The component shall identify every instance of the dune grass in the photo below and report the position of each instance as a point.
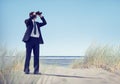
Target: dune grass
(11, 70)
(8, 66)
(100, 56)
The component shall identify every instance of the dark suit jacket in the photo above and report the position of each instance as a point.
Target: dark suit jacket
(29, 25)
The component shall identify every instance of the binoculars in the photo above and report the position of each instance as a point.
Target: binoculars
(38, 13)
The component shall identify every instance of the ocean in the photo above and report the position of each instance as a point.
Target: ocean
(49, 60)
(59, 60)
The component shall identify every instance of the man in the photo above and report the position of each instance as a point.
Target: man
(33, 38)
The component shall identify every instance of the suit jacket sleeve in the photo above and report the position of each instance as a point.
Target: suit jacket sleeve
(43, 22)
(27, 22)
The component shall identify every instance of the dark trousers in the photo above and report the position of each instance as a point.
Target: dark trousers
(32, 44)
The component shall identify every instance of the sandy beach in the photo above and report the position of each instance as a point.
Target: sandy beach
(62, 75)
(78, 76)
(101, 65)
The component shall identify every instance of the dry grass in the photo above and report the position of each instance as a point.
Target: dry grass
(9, 66)
(11, 71)
(101, 56)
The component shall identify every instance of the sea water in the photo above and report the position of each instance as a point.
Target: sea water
(49, 60)
(59, 60)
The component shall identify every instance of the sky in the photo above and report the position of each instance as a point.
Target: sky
(72, 25)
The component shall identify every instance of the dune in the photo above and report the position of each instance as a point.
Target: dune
(101, 65)
(62, 75)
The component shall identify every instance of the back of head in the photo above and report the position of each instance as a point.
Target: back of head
(31, 14)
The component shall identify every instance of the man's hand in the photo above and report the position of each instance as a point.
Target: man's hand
(40, 16)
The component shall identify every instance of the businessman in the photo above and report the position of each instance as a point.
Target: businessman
(32, 39)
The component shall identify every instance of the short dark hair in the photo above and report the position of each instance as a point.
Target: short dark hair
(31, 13)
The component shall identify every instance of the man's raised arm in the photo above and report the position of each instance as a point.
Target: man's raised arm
(43, 21)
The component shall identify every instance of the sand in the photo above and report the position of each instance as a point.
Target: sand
(79, 76)
(62, 75)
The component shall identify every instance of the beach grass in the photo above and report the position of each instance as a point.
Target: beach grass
(8, 67)
(11, 70)
(100, 56)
